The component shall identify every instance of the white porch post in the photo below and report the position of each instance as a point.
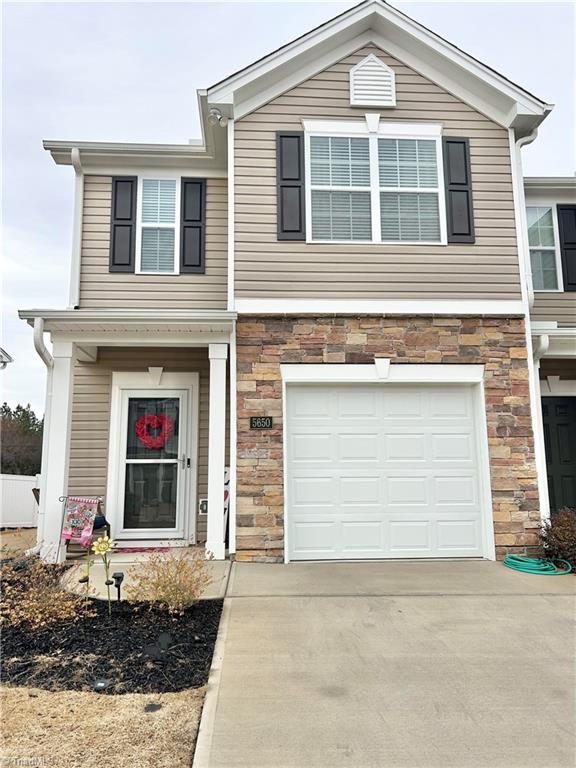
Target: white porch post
(218, 354)
(55, 459)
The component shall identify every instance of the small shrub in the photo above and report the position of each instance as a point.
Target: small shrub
(558, 536)
(173, 580)
(32, 595)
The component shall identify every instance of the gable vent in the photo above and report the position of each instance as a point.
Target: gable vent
(372, 84)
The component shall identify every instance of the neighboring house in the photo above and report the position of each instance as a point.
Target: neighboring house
(551, 216)
(4, 359)
(330, 295)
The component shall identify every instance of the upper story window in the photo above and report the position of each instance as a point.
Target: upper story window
(385, 186)
(158, 226)
(543, 253)
(340, 188)
(409, 192)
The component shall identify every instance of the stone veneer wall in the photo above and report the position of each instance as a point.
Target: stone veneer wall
(263, 343)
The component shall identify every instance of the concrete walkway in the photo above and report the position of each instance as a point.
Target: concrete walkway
(392, 665)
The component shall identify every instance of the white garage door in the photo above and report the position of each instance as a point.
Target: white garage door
(382, 471)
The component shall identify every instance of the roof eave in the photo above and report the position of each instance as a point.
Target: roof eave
(372, 19)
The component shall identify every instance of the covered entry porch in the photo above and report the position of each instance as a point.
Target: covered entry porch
(138, 414)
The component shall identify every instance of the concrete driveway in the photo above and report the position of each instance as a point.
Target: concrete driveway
(392, 664)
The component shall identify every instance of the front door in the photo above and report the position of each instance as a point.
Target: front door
(152, 467)
(559, 416)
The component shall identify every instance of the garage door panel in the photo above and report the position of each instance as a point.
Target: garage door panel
(460, 535)
(310, 491)
(358, 447)
(402, 404)
(361, 536)
(386, 471)
(360, 490)
(402, 447)
(313, 538)
(350, 406)
(451, 447)
(451, 403)
(306, 447)
(410, 535)
(310, 403)
(455, 491)
(407, 489)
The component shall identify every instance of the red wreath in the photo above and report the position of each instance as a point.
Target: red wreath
(146, 423)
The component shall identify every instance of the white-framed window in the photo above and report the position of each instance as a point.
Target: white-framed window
(409, 192)
(340, 188)
(157, 242)
(374, 182)
(544, 252)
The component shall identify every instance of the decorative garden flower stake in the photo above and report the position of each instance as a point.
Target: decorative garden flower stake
(103, 547)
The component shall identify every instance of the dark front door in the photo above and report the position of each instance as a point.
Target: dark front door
(560, 440)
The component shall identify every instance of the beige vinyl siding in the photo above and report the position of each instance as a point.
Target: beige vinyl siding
(91, 414)
(555, 306)
(267, 268)
(100, 288)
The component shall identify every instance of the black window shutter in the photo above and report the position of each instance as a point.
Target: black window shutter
(193, 226)
(567, 229)
(458, 184)
(123, 223)
(290, 185)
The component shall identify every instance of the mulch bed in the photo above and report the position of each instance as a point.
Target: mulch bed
(136, 650)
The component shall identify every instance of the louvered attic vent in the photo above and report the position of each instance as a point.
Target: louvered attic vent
(372, 84)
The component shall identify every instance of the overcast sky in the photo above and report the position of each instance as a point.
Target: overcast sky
(129, 72)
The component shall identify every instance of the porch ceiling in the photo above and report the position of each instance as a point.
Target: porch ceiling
(136, 326)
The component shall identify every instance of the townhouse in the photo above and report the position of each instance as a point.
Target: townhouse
(343, 309)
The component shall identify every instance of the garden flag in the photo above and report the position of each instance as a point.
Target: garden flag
(79, 516)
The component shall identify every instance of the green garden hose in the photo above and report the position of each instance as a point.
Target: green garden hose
(537, 565)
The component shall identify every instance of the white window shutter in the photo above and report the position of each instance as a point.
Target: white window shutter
(372, 84)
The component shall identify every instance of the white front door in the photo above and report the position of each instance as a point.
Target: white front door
(152, 467)
(383, 471)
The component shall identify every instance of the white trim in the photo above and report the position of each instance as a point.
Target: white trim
(335, 373)
(528, 302)
(158, 176)
(56, 462)
(217, 354)
(472, 375)
(75, 261)
(123, 382)
(554, 386)
(405, 130)
(233, 445)
(520, 221)
(380, 306)
(231, 222)
(556, 247)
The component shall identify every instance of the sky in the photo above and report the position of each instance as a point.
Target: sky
(112, 71)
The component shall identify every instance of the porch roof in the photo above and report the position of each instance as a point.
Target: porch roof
(106, 326)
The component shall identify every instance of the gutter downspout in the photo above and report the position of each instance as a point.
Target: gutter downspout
(74, 296)
(528, 301)
(542, 345)
(48, 361)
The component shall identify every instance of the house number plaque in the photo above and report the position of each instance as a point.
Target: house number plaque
(261, 422)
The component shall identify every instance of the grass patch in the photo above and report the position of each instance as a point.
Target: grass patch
(76, 729)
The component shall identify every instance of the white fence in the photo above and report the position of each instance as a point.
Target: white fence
(19, 508)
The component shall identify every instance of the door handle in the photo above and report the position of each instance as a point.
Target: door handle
(183, 461)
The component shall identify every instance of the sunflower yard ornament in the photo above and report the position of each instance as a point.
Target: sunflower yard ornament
(103, 547)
